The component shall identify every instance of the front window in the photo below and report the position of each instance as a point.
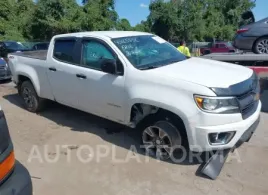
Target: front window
(148, 51)
(92, 53)
(229, 44)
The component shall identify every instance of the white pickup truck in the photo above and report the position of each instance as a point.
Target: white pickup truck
(139, 80)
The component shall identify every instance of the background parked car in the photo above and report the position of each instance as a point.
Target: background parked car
(253, 37)
(40, 46)
(5, 73)
(11, 47)
(218, 47)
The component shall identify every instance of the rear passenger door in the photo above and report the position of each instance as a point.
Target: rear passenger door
(61, 71)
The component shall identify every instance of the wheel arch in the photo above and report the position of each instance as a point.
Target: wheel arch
(141, 111)
(25, 77)
(151, 115)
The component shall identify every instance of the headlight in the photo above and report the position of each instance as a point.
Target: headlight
(6, 67)
(221, 105)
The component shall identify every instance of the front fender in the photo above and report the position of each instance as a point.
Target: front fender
(178, 100)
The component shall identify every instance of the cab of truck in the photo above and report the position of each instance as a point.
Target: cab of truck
(14, 177)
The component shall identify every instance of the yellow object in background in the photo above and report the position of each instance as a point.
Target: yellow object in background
(184, 50)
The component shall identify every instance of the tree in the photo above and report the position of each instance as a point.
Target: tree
(8, 21)
(123, 24)
(196, 19)
(53, 17)
(144, 26)
(173, 20)
(99, 15)
(25, 10)
(163, 17)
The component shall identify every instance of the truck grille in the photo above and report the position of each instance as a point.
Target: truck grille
(248, 103)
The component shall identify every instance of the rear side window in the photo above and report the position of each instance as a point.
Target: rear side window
(63, 50)
(222, 46)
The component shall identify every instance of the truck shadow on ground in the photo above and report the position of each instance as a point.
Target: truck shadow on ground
(111, 132)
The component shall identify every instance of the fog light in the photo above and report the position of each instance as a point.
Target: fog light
(221, 138)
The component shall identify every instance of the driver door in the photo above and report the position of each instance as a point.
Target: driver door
(101, 93)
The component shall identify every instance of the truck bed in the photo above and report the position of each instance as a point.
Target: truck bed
(41, 54)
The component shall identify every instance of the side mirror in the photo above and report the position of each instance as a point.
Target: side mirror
(108, 66)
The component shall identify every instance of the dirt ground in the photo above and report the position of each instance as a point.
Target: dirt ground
(41, 145)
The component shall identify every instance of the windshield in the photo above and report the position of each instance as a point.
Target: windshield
(229, 44)
(148, 51)
(14, 46)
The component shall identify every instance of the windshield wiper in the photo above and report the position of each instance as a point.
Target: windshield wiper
(148, 67)
(174, 61)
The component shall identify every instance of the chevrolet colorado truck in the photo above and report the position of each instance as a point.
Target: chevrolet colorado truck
(139, 80)
(14, 177)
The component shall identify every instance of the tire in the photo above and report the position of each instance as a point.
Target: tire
(32, 102)
(160, 136)
(206, 52)
(261, 46)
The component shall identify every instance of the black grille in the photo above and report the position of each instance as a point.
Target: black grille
(248, 103)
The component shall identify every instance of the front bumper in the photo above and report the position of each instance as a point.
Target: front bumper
(18, 183)
(201, 143)
(213, 166)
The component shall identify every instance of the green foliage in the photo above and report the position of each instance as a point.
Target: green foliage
(123, 24)
(99, 15)
(174, 20)
(197, 19)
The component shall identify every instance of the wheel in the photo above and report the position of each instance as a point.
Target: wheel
(206, 52)
(160, 138)
(32, 102)
(261, 46)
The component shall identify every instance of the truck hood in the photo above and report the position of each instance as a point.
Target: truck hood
(209, 73)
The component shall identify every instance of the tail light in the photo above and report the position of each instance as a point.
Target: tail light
(7, 161)
(242, 30)
(7, 165)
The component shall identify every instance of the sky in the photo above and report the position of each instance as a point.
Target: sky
(137, 10)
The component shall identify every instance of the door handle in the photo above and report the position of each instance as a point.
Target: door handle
(52, 69)
(81, 76)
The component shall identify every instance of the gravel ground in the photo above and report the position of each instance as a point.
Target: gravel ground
(41, 145)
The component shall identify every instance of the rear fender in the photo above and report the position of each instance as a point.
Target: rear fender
(32, 76)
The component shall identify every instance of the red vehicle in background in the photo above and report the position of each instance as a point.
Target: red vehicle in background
(218, 47)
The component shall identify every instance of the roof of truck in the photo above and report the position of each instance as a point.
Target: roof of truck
(109, 34)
